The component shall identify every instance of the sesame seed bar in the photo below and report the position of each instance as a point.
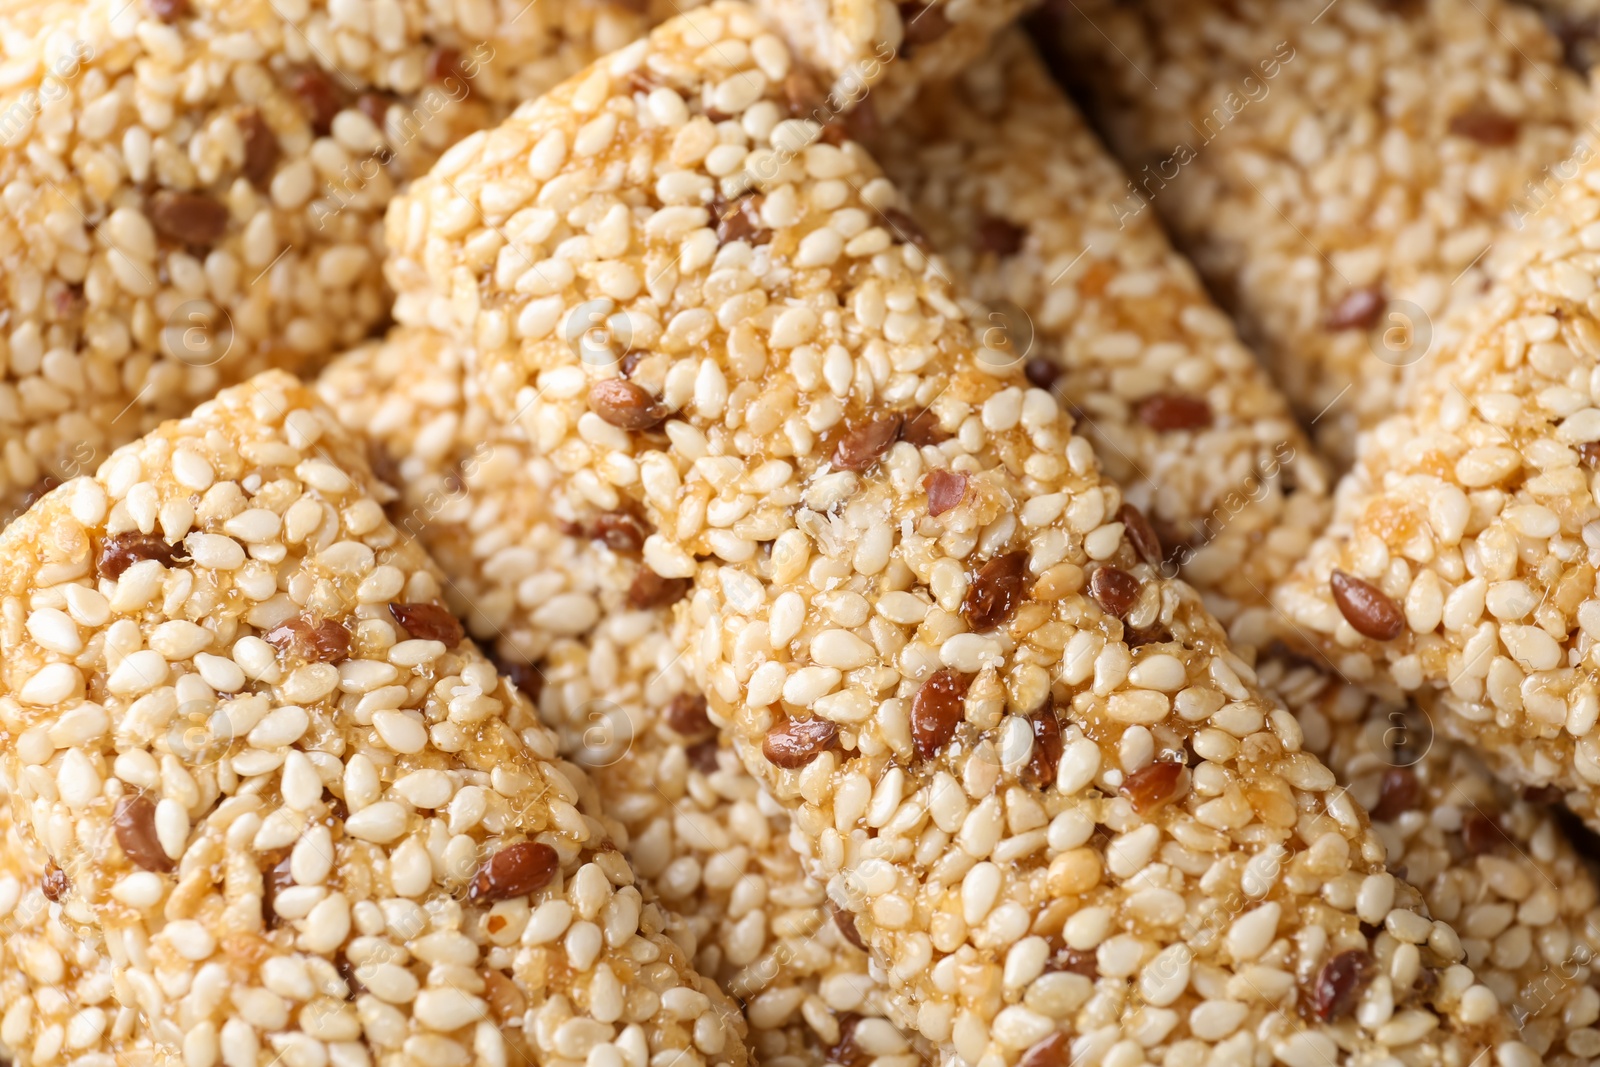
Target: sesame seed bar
(1336, 171)
(564, 601)
(885, 672)
(306, 817)
(1020, 197)
(889, 49)
(1490, 860)
(1459, 566)
(1003, 168)
(194, 188)
(56, 988)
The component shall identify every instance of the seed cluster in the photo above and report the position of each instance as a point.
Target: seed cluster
(1338, 176)
(822, 592)
(322, 850)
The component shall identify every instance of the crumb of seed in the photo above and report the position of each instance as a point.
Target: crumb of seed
(1479, 833)
(650, 590)
(1000, 236)
(624, 404)
(429, 622)
(1114, 589)
(1140, 533)
(794, 743)
(937, 710)
(1151, 786)
(1366, 607)
(1046, 756)
(945, 490)
(996, 591)
(121, 551)
(1339, 984)
(1486, 126)
(317, 640)
(1170, 411)
(135, 825)
(687, 715)
(1398, 793)
(846, 923)
(621, 531)
(1052, 1051)
(862, 445)
(514, 871)
(1357, 310)
(55, 883)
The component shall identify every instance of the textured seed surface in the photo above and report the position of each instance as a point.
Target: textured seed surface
(1140, 534)
(514, 871)
(937, 710)
(1357, 310)
(318, 640)
(1339, 984)
(945, 490)
(861, 445)
(1366, 607)
(624, 404)
(1148, 788)
(1170, 411)
(996, 591)
(1114, 589)
(429, 622)
(135, 824)
(121, 551)
(188, 217)
(796, 742)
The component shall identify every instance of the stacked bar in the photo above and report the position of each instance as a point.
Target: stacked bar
(558, 593)
(1339, 173)
(1004, 171)
(1458, 564)
(888, 49)
(889, 537)
(304, 815)
(1024, 200)
(193, 190)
